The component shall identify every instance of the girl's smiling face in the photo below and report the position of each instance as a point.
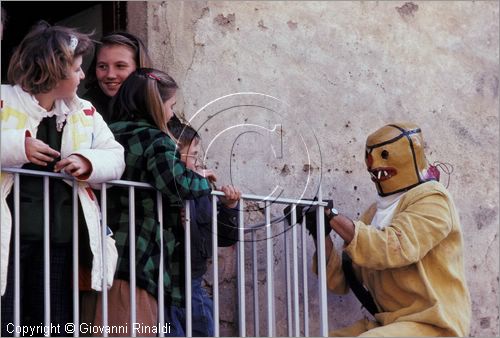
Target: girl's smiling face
(113, 65)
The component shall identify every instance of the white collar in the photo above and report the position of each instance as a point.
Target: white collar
(62, 108)
(384, 202)
(386, 206)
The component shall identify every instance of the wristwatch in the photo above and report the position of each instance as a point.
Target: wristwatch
(333, 212)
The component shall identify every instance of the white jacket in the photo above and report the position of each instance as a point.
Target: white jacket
(85, 134)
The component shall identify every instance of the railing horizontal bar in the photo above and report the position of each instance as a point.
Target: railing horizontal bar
(67, 177)
(131, 184)
(274, 200)
(34, 173)
(250, 197)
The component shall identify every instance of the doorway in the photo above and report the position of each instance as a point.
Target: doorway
(99, 17)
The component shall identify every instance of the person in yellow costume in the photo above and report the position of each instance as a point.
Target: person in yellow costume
(407, 248)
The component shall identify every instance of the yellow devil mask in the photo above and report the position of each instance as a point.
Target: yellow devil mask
(395, 158)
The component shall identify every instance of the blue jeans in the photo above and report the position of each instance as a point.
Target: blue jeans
(202, 307)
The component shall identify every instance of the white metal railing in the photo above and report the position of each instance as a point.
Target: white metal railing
(247, 236)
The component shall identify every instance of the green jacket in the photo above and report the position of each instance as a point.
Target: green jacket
(151, 157)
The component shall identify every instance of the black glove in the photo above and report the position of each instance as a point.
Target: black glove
(310, 212)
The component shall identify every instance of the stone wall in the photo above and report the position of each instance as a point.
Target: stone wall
(333, 72)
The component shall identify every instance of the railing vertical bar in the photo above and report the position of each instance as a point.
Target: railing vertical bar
(187, 232)
(320, 214)
(46, 247)
(270, 275)
(305, 271)
(241, 271)
(104, 228)
(131, 211)
(288, 282)
(215, 265)
(255, 279)
(17, 257)
(76, 300)
(295, 280)
(161, 300)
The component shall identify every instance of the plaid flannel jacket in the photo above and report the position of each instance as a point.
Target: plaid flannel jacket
(151, 157)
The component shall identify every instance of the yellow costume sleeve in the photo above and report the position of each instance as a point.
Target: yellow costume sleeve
(420, 223)
(335, 279)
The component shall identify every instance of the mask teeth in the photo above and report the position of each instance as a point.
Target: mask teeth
(379, 175)
(385, 173)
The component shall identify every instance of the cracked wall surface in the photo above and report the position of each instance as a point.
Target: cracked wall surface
(334, 72)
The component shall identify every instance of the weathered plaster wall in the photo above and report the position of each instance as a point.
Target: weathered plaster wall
(341, 69)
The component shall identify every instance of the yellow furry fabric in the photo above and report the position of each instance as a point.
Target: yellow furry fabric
(414, 267)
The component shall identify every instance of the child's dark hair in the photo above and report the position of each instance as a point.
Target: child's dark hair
(184, 133)
(45, 55)
(142, 96)
(141, 56)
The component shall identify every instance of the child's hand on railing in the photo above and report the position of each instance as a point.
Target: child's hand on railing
(75, 165)
(231, 196)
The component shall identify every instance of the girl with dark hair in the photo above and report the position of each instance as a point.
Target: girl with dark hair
(117, 55)
(141, 111)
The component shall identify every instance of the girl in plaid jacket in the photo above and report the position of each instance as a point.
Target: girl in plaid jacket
(140, 113)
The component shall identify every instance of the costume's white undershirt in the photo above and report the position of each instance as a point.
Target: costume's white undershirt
(385, 210)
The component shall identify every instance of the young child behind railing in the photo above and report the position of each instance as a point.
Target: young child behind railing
(46, 127)
(189, 143)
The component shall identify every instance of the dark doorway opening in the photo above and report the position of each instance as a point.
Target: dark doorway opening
(100, 17)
